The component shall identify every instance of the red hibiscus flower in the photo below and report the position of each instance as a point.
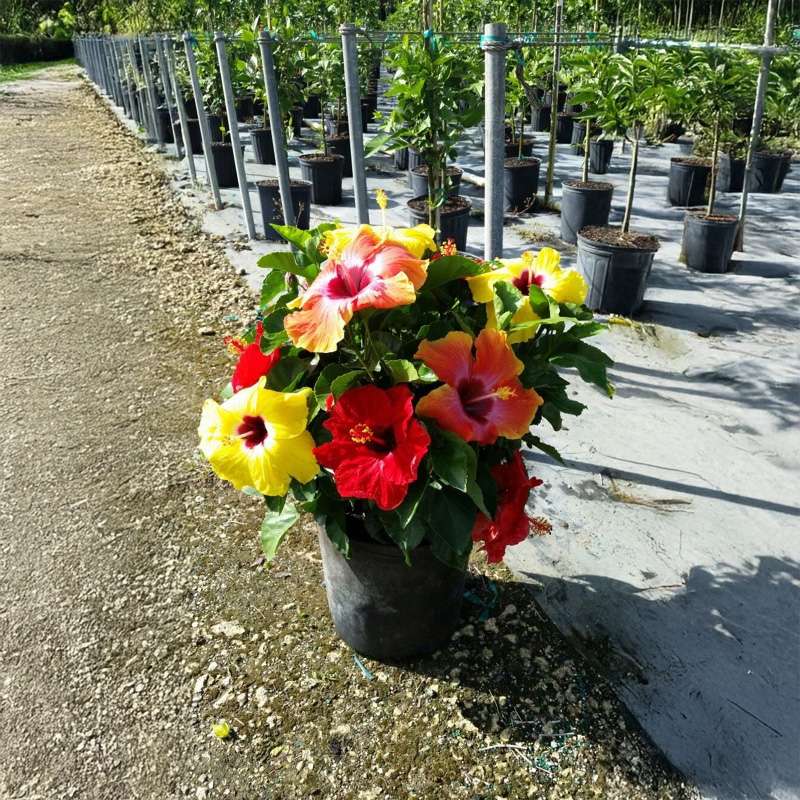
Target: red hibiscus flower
(511, 524)
(252, 364)
(377, 444)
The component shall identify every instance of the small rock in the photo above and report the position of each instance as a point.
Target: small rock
(262, 697)
(229, 629)
(206, 331)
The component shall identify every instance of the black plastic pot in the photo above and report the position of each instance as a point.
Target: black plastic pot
(311, 107)
(520, 183)
(687, 181)
(579, 135)
(414, 158)
(708, 242)
(600, 151)
(512, 148)
(337, 128)
(272, 208)
(730, 175)
(562, 99)
(297, 120)
(454, 223)
(418, 180)
(564, 125)
(340, 146)
(542, 122)
(383, 608)
(263, 149)
(325, 175)
(245, 108)
(165, 125)
(366, 116)
(766, 172)
(401, 158)
(786, 165)
(617, 276)
(371, 100)
(224, 164)
(582, 205)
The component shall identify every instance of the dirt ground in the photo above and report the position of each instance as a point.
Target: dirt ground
(134, 612)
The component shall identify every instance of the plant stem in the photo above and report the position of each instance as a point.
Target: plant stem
(626, 220)
(586, 140)
(712, 192)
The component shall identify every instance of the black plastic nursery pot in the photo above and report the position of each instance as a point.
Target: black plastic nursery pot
(579, 135)
(340, 146)
(312, 107)
(584, 204)
(297, 120)
(272, 207)
(708, 241)
(366, 115)
(600, 151)
(616, 267)
(263, 149)
(542, 121)
(371, 101)
(688, 178)
(401, 158)
(225, 165)
(730, 174)
(562, 99)
(165, 125)
(520, 183)
(245, 108)
(324, 173)
(513, 148)
(564, 125)
(418, 180)
(766, 172)
(385, 609)
(414, 158)
(454, 215)
(335, 127)
(786, 165)
(196, 138)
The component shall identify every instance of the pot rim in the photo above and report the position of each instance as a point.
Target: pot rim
(615, 247)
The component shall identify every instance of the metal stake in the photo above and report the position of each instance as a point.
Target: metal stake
(494, 47)
(278, 143)
(551, 149)
(169, 46)
(167, 87)
(353, 95)
(151, 89)
(233, 125)
(205, 131)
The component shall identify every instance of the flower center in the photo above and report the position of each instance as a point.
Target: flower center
(379, 441)
(525, 279)
(252, 430)
(361, 433)
(349, 282)
(475, 398)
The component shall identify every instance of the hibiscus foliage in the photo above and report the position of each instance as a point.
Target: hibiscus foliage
(388, 386)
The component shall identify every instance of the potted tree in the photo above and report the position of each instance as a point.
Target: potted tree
(585, 202)
(708, 238)
(387, 397)
(616, 261)
(437, 98)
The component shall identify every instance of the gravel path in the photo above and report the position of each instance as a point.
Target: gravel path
(133, 610)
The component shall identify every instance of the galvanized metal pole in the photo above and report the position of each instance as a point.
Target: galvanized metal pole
(205, 131)
(551, 148)
(233, 125)
(758, 113)
(144, 46)
(127, 97)
(140, 115)
(493, 44)
(166, 85)
(169, 45)
(353, 94)
(276, 125)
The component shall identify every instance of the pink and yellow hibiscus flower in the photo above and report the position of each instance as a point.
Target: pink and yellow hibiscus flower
(482, 398)
(369, 272)
(417, 240)
(542, 270)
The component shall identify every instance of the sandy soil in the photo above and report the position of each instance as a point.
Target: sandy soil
(134, 611)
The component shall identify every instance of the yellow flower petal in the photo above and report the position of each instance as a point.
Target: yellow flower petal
(482, 286)
(417, 240)
(296, 456)
(571, 287)
(222, 730)
(286, 412)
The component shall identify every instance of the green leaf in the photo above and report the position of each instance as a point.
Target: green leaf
(286, 262)
(405, 537)
(287, 373)
(274, 284)
(535, 441)
(334, 527)
(274, 503)
(409, 507)
(426, 374)
(450, 268)
(506, 303)
(452, 518)
(378, 143)
(227, 392)
(275, 526)
(590, 362)
(454, 461)
(401, 370)
(341, 384)
(322, 388)
(476, 495)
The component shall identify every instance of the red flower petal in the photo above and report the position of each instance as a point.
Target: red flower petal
(253, 364)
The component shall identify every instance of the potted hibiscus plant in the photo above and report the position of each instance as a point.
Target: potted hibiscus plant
(388, 388)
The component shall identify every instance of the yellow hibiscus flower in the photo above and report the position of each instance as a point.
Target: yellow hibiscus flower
(258, 438)
(542, 270)
(416, 240)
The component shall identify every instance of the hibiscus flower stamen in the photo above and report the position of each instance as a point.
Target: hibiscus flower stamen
(252, 430)
(361, 433)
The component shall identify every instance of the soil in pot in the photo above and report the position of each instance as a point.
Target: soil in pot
(616, 266)
(385, 609)
(324, 172)
(340, 146)
(708, 241)
(263, 149)
(600, 151)
(418, 180)
(564, 125)
(766, 172)
(224, 164)
(582, 205)
(688, 179)
(512, 148)
(542, 122)
(521, 183)
(454, 215)
(730, 175)
(272, 209)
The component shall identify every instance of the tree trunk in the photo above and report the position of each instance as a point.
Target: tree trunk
(586, 141)
(626, 220)
(712, 191)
